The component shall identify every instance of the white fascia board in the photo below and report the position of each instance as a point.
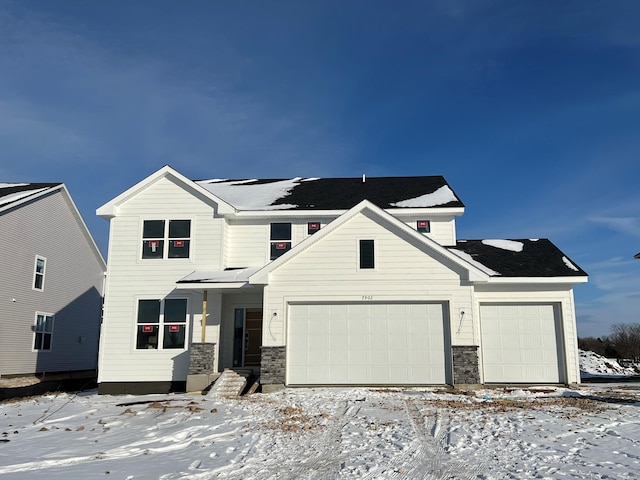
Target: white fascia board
(427, 212)
(28, 198)
(400, 212)
(212, 286)
(110, 209)
(262, 275)
(537, 280)
(286, 213)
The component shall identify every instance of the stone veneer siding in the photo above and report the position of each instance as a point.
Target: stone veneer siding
(201, 358)
(273, 366)
(465, 365)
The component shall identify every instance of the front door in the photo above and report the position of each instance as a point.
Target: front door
(252, 337)
(247, 337)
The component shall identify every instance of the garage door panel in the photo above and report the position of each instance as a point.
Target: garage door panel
(520, 343)
(366, 343)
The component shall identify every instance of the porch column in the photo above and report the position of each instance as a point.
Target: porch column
(201, 357)
(204, 316)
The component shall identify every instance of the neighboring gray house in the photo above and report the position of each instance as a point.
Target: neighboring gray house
(51, 278)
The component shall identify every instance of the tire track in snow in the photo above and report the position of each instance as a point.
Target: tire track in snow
(430, 460)
(325, 464)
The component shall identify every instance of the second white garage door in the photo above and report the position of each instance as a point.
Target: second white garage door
(367, 344)
(521, 343)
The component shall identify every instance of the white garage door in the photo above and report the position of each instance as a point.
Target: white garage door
(366, 344)
(521, 343)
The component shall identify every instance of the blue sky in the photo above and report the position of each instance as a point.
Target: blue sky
(530, 109)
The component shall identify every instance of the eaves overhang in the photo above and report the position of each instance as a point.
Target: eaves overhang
(213, 286)
(537, 280)
(399, 212)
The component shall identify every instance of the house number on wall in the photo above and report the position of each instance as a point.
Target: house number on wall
(367, 297)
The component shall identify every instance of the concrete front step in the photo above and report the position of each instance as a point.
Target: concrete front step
(231, 382)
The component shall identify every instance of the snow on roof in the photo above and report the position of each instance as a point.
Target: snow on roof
(12, 197)
(220, 276)
(469, 258)
(510, 245)
(441, 196)
(7, 185)
(249, 195)
(568, 263)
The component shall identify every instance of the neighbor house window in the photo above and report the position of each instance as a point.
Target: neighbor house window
(166, 238)
(162, 324)
(43, 330)
(38, 273)
(367, 254)
(280, 239)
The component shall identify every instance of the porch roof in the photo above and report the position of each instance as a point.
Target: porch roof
(227, 278)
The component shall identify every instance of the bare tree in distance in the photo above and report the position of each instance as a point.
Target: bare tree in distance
(625, 337)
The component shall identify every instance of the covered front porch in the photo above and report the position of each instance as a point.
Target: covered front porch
(231, 335)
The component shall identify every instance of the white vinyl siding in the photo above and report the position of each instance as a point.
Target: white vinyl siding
(366, 344)
(131, 277)
(248, 240)
(521, 343)
(328, 271)
(442, 229)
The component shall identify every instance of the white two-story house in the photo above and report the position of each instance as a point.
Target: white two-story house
(330, 281)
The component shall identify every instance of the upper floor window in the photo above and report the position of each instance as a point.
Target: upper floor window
(43, 330)
(313, 227)
(367, 254)
(162, 324)
(166, 239)
(423, 226)
(38, 273)
(280, 239)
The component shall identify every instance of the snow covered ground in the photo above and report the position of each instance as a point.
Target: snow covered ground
(594, 365)
(592, 432)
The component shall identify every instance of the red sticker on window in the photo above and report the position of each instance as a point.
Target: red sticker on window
(281, 246)
(147, 328)
(423, 224)
(314, 226)
(174, 328)
(178, 243)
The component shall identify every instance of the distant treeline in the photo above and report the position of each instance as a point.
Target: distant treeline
(624, 342)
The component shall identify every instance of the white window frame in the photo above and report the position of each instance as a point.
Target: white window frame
(36, 273)
(161, 324)
(166, 239)
(36, 331)
(375, 254)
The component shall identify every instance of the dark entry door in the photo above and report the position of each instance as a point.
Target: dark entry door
(252, 337)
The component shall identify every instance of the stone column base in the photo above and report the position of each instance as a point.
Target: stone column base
(273, 366)
(465, 365)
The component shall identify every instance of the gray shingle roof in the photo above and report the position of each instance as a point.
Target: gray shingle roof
(537, 258)
(13, 192)
(335, 193)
